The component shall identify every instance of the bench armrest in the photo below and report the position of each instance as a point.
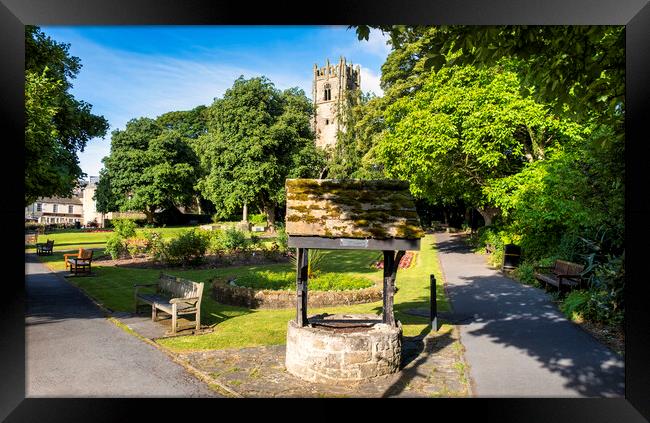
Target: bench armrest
(184, 300)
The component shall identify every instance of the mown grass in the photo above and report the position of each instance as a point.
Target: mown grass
(238, 327)
(70, 239)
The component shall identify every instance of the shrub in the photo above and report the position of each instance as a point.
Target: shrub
(526, 273)
(257, 219)
(116, 246)
(232, 239)
(154, 244)
(124, 228)
(188, 247)
(282, 239)
(136, 246)
(255, 241)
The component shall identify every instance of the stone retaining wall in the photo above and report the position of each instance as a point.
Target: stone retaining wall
(271, 299)
(327, 356)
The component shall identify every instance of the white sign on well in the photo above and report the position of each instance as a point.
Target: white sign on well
(362, 243)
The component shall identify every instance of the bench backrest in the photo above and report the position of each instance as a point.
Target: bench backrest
(563, 267)
(85, 254)
(179, 287)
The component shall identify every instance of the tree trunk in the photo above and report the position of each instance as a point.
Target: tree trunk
(488, 214)
(269, 211)
(149, 213)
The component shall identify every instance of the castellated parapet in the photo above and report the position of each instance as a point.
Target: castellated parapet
(330, 85)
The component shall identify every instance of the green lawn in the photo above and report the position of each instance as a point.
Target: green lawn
(72, 239)
(237, 327)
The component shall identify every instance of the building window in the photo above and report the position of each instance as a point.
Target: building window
(327, 121)
(55, 208)
(39, 207)
(70, 209)
(328, 92)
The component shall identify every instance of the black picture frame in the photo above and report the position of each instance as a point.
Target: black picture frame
(635, 14)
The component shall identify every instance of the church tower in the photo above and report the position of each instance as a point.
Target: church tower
(329, 88)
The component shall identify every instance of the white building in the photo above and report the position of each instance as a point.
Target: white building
(81, 207)
(55, 210)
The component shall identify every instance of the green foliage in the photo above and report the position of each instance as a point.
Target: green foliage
(188, 248)
(580, 70)
(124, 228)
(526, 273)
(257, 137)
(314, 262)
(231, 240)
(257, 219)
(57, 125)
(282, 239)
(287, 281)
(575, 304)
(154, 245)
(438, 140)
(149, 167)
(116, 246)
(592, 305)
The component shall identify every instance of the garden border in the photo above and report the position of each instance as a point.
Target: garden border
(225, 293)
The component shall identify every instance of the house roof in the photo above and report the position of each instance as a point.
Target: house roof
(366, 209)
(60, 200)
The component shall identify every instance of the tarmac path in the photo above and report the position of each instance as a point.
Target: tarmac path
(74, 351)
(517, 343)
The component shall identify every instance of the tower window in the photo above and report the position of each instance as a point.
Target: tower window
(327, 121)
(327, 92)
(55, 208)
(70, 209)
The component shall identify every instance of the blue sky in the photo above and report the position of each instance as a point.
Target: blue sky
(135, 71)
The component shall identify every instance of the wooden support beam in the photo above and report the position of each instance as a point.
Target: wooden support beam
(301, 286)
(391, 263)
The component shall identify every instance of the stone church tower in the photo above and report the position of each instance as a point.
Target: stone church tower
(329, 87)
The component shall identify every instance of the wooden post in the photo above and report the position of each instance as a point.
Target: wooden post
(433, 313)
(391, 262)
(301, 286)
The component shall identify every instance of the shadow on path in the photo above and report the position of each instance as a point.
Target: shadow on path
(514, 329)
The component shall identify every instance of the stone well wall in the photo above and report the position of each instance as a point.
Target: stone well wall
(326, 356)
(269, 299)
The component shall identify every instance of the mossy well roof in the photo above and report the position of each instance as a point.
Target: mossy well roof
(351, 208)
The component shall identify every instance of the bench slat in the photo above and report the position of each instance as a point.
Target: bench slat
(174, 288)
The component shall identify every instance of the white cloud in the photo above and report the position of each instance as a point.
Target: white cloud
(370, 82)
(376, 44)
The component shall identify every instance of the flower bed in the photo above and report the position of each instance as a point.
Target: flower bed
(405, 263)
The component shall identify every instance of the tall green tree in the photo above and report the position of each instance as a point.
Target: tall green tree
(258, 136)
(61, 125)
(149, 167)
(465, 128)
(576, 69)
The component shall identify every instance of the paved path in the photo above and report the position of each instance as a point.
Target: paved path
(517, 342)
(73, 351)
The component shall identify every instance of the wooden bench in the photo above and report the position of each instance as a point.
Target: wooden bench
(80, 262)
(561, 274)
(31, 239)
(45, 249)
(174, 296)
